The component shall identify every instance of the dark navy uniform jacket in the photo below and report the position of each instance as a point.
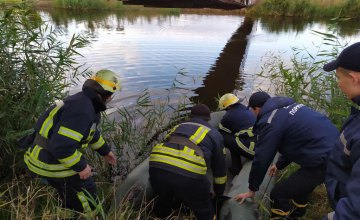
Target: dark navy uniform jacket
(299, 133)
(237, 118)
(172, 157)
(68, 128)
(343, 171)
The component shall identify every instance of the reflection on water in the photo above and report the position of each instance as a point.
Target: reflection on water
(297, 25)
(93, 21)
(225, 75)
(221, 52)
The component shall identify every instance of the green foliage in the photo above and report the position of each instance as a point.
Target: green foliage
(34, 72)
(306, 82)
(307, 8)
(132, 130)
(88, 4)
(277, 7)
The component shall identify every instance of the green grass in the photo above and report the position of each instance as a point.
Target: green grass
(111, 5)
(10, 1)
(89, 4)
(308, 8)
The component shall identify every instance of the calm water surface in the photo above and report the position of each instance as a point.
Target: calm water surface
(219, 53)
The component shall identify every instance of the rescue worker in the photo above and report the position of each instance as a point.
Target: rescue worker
(300, 135)
(178, 166)
(236, 129)
(62, 131)
(343, 172)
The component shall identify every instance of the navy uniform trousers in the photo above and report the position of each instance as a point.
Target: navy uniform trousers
(291, 195)
(195, 193)
(236, 152)
(75, 193)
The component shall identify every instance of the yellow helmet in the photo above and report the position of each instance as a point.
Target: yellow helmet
(108, 80)
(226, 100)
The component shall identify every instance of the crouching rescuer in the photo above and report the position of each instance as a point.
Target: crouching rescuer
(178, 166)
(62, 131)
(236, 128)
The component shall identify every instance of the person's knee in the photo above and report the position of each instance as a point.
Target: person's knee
(280, 191)
(163, 205)
(203, 209)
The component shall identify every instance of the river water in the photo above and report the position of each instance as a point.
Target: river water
(217, 53)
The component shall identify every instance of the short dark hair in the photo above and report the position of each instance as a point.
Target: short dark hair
(201, 111)
(258, 99)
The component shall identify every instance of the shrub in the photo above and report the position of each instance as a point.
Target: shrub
(89, 4)
(34, 71)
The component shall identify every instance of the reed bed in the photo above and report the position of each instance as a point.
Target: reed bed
(307, 8)
(33, 63)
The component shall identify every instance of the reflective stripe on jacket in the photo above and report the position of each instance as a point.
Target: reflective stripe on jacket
(236, 119)
(239, 121)
(184, 161)
(65, 128)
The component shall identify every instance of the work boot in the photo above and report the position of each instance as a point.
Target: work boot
(298, 210)
(277, 214)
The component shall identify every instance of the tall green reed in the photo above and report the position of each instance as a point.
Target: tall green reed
(132, 130)
(307, 8)
(89, 4)
(304, 80)
(34, 72)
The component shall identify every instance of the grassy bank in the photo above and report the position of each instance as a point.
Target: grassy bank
(115, 5)
(103, 5)
(307, 8)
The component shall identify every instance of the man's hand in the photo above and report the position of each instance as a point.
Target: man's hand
(110, 158)
(243, 196)
(273, 170)
(85, 173)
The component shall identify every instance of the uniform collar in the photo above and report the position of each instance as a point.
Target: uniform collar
(96, 100)
(199, 120)
(356, 100)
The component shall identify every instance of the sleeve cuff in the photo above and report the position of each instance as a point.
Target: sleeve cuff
(253, 188)
(80, 166)
(104, 150)
(281, 165)
(219, 189)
